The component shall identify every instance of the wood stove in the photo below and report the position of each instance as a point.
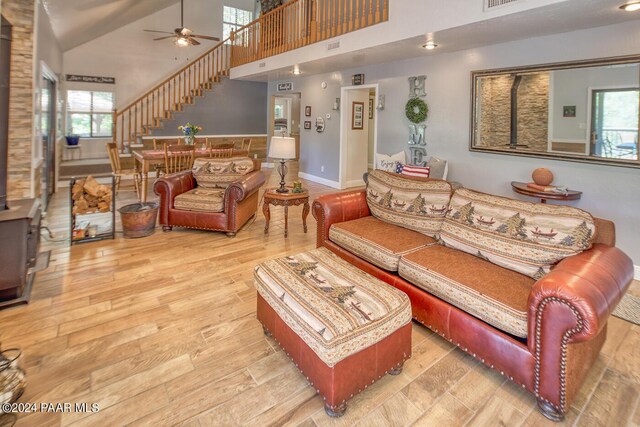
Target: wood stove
(19, 219)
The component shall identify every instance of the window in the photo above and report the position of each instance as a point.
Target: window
(89, 114)
(233, 18)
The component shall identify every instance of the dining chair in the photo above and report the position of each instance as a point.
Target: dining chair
(178, 158)
(160, 144)
(220, 153)
(118, 172)
(246, 144)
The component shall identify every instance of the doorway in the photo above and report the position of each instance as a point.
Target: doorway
(48, 119)
(358, 133)
(615, 121)
(285, 114)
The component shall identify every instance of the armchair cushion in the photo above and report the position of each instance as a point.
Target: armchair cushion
(201, 200)
(522, 236)
(491, 293)
(377, 241)
(418, 204)
(219, 173)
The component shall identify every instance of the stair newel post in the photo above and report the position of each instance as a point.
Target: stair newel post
(114, 128)
(385, 10)
(135, 120)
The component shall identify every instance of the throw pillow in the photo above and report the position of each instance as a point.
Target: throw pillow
(438, 168)
(420, 171)
(410, 202)
(388, 163)
(522, 236)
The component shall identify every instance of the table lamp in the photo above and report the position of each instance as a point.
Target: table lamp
(283, 148)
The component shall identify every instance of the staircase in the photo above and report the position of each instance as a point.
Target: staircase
(148, 112)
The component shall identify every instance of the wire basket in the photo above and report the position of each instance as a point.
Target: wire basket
(12, 376)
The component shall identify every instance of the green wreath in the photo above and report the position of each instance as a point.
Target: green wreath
(416, 110)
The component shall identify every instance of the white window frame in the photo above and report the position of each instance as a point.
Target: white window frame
(234, 25)
(90, 113)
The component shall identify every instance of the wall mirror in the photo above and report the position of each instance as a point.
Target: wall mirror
(585, 111)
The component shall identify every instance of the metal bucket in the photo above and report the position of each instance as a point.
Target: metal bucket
(138, 219)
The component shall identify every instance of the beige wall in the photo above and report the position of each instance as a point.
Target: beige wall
(20, 13)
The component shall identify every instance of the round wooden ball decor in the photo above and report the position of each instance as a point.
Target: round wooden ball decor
(542, 176)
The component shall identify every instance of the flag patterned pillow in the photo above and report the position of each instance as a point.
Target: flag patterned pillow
(412, 170)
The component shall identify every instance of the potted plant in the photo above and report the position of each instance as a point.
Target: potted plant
(189, 131)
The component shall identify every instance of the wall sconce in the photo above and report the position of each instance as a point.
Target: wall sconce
(380, 105)
(336, 105)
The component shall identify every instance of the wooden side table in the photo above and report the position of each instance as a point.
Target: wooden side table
(522, 188)
(272, 197)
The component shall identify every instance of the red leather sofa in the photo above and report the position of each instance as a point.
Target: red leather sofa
(568, 310)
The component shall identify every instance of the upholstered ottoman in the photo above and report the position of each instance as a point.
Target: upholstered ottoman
(343, 328)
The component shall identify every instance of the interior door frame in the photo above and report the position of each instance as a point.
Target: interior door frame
(590, 111)
(344, 118)
(47, 73)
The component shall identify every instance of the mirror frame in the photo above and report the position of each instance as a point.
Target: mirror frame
(475, 75)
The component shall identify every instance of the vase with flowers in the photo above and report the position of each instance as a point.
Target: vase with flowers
(189, 131)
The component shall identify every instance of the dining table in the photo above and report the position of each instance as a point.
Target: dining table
(145, 159)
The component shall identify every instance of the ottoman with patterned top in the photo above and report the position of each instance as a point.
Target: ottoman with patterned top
(343, 328)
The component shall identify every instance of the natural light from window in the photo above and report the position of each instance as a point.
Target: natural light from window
(233, 19)
(89, 114)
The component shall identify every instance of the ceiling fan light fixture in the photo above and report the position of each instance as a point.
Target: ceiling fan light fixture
(182, 42)
(631, 6)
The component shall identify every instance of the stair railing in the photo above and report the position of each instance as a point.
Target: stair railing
(300, 23)
(147, 112)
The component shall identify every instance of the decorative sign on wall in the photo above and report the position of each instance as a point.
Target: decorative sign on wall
(319, 124)
(416, 86)
(91, 79)
(307, 124)
(357, 79)
(284, 87)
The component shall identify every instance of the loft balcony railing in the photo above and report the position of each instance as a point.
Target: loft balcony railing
(303, 22)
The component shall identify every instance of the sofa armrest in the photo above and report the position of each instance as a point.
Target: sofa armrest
(576, 298)
(247, 185)
(170, 186)
(338, 207)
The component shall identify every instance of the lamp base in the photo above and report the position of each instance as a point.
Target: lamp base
(282, 170)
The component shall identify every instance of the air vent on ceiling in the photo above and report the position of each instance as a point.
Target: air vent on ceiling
(492, 4)
(262, 65)
(334, 45)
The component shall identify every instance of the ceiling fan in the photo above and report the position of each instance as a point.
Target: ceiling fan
(183, 36)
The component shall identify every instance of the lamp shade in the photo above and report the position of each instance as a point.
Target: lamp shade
(282, 147)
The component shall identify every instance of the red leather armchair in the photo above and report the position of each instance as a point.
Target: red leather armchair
(567, 316)
(240, 203)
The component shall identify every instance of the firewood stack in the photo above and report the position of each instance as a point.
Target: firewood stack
(89, 196)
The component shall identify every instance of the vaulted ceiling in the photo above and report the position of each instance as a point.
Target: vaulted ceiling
(75, 22)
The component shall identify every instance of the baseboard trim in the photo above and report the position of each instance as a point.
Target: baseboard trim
(319, 180)
(636, 273)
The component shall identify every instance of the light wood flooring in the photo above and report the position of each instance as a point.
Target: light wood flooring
(162, 331)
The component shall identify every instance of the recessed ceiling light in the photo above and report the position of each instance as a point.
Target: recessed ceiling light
(631, 6)
(296, 71)
(430, 45)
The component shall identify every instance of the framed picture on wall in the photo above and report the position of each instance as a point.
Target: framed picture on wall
(370, 108)
(357, 115)
(307, 111)
(307, 124)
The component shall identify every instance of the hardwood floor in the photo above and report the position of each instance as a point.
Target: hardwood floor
(162, 331)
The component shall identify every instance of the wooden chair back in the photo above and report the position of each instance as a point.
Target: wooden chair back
(246, 144)
(220, 153)
(178, 158)
(114, 157)
(159, 144)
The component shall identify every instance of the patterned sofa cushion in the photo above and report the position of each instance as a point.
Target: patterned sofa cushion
(219, 173)
(377, 241)
(522, 236)
(200, 200)
(491, 293)
(334, 307)
(415, 203)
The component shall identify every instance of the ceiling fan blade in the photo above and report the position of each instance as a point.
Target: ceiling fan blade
(156, 31)
(206, 37)
(162, 38)
(193, 42)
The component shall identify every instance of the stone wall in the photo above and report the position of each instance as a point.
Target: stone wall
(494, 103)
(20, 13)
